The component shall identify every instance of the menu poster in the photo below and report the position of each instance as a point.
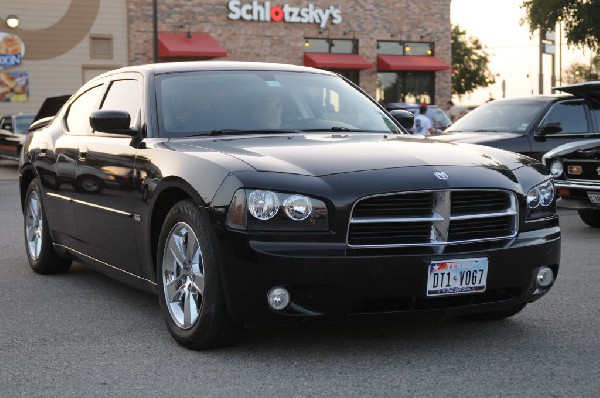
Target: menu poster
(14, 86)
(12, 50)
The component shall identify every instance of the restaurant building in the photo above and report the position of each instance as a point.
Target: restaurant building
(397, 51)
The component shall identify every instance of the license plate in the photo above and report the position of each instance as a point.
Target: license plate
(594, 197)
(450, 277)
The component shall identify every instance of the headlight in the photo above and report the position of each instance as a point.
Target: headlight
(262, 210)
(556, 168)
(541, 201)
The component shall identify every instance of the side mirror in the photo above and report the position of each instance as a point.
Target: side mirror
(549, 128)
(405, 118)
(112, 122)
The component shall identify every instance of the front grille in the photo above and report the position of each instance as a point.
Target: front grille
(587, 170)
(433, 218)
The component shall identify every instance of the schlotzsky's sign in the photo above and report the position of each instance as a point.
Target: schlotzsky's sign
(255, 11)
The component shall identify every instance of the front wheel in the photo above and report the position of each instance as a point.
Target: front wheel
(590, 217)
(190, 293)
(42, 257)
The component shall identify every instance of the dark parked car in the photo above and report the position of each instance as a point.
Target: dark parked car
(256, 194)
(576, 170)
(433, 112)
(533, 125)
(13, 129)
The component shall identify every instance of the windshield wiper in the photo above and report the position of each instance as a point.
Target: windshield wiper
(334, 128)
(240, 132)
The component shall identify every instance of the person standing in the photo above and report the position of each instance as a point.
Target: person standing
(454, 112)
(423, 125)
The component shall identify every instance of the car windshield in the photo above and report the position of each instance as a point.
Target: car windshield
(239, 102)
(501, 116)
(22, 123)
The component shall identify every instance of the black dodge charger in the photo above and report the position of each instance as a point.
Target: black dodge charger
(248, 194)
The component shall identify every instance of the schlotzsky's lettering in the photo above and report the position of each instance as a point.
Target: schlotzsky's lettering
(256, 11)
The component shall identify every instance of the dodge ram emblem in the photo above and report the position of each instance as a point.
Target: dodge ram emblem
(441, 175)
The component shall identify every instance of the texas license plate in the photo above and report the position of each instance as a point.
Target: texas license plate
(450, 277)
(594, 197)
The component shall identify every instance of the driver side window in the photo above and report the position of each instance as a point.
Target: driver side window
(571, 116)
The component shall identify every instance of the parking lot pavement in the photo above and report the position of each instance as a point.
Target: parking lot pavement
(8, 169)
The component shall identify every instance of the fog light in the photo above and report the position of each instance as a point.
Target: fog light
(278, 298)
(544, 277)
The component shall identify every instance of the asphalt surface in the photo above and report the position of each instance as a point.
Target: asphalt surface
(82, 334)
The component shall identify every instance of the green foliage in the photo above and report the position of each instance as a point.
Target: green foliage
(581, 19)
(579, 72)
(470, 63)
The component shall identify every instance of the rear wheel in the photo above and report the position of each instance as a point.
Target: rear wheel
(190, 293)
(497, 315)
(42, 257)
(590, 217)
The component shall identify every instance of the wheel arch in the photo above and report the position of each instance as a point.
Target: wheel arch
(168, 193)
(27, 175)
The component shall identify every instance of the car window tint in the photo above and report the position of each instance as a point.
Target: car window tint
(196, 103)
(500, 116)
(125, 95)
(78, 116)
(570, 115)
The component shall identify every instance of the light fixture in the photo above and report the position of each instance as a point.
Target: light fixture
(12, 21)
(306, 43)
(407, 48)
(428, 51)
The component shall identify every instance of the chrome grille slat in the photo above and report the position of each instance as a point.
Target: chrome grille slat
(454, 216)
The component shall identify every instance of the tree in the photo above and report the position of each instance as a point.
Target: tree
(470, 63)
(579, 72)
(581, 19)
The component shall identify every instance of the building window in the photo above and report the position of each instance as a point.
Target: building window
(404, 48)
(101, 47)
(405, 86)
(332, 46)
(335, 46)
(411, 87)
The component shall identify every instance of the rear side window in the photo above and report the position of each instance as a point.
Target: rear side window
(78, 117)
(570, 115)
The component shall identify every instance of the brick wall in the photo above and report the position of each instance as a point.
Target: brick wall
(368, 21)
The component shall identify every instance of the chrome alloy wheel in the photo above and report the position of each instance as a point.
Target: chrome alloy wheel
(183, 275)
(34, 225)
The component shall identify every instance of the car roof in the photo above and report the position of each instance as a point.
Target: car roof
(175, 67)
(533, 98)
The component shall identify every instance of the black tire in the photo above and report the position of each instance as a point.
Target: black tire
(42, 257)
(496, 315)
(213, 327)
(590, 217)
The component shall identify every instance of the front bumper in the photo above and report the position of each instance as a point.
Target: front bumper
(331, 279)
(574, 195)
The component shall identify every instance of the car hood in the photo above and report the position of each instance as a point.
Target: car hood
(325, 154)
(586, 90)
(570, 148)
(477, 137)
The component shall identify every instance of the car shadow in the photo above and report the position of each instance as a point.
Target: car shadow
(389, 333)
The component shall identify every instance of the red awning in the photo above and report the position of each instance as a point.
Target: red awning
(179, 45)
(336, 61)
(410, 62)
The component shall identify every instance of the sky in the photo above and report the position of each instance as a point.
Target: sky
(514, 53)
